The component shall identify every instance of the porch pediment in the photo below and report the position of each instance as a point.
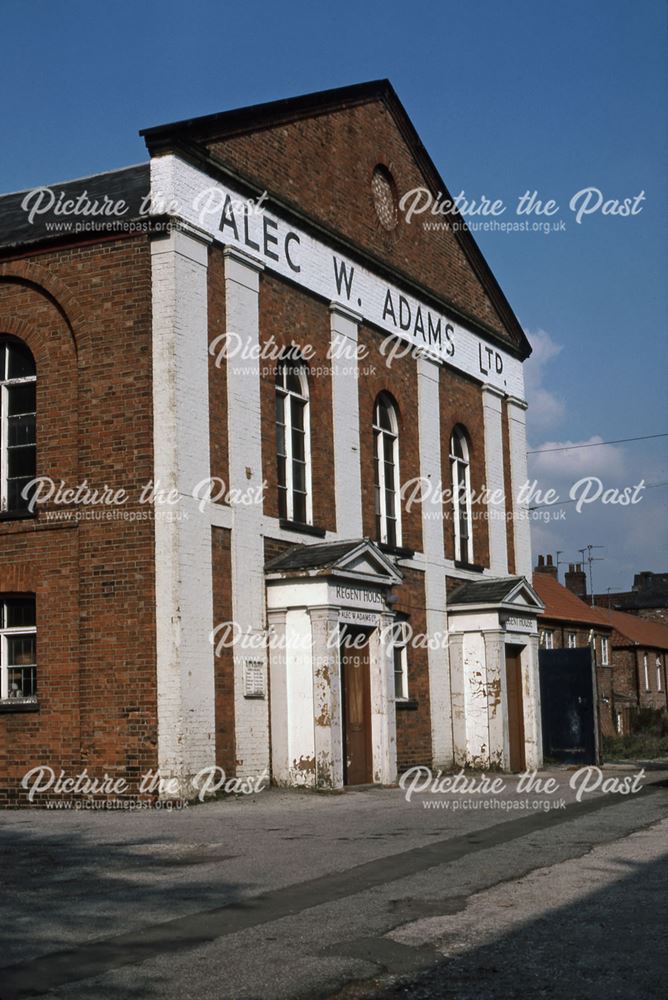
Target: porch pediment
(358, 559)
(506, 593)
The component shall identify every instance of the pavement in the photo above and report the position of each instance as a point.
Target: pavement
(292, 895)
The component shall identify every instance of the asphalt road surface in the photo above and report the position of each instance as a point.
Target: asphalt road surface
(293, 895)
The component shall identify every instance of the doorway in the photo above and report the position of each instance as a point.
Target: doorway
(517, 762)
(356, 702)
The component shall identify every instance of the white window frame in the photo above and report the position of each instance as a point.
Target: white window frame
(379, 436)
(288, 395)
(5, 384)
(400, 652)
(659, 672)
(572, 640)
(605, 651)
(5, 633)
(455, 462)
(645, 663)
(548, 638)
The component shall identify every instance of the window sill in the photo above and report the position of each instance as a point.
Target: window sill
(302, 529)
(471, 567)
(19, 705)
(396, 550)
(16, 515)
(406, 704)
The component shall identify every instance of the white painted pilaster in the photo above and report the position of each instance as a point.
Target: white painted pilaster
(496, 512)
(345, 413)
(184, 599)
(383, 712)
(518, 476)
(327, 708)
(429, 426)
(533, 729)
(251, 716)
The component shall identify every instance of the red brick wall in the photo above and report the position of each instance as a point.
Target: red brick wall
(400, 380)
(461, 403)
(217, 370)
(288, 315)
(414, 725)
(94, 581)
(224, 659)
(324, 165)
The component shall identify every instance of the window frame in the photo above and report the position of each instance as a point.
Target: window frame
(659, 672)
(289, 396)
(460, 433)
(548, 638)
(7, 632)
(400, 655)
(574, 643)
(605, 651)
(6, 384)
(381, 490)
(645, 663)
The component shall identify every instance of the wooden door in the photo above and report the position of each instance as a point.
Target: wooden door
(355, 680)
(515, 708)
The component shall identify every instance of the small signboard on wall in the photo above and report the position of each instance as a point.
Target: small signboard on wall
(254, 679)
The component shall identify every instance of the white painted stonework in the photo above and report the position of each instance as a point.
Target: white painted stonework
(293, 253)
(478, 639)
(306, 614)
(494, 480)
(183, 584)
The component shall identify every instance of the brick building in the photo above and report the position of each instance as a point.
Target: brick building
(648, 597)
(568, 623)
(629, 651)
(270, 362)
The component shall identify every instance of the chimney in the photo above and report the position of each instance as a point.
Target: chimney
(545, 565)
(576, 580)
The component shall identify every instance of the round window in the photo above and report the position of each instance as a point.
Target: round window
(383, 190)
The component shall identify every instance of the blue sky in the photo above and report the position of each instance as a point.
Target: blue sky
(507, 97)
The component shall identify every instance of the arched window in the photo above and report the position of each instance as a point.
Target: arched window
(17, 423)
(461, 495)
(386, 465)
(293, 447)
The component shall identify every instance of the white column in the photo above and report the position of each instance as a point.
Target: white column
(183, 574)
(429, 425)
(497, 698)
(518, 476)
(327, 709)
(383, 711)
(345, 415)
(491, 408)
(459, 740)
(251, 717)
(533, 728)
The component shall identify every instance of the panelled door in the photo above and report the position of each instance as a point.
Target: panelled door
(356, 698)
(515, 708)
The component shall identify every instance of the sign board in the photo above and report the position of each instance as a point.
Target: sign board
(234, 220)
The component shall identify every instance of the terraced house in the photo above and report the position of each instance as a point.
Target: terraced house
(278, 433)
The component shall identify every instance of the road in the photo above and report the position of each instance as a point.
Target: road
(292, 895)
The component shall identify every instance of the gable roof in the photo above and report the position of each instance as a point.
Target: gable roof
(358, 556)
(184, 136)
(638, 631)
(493, 591)
(561, 604)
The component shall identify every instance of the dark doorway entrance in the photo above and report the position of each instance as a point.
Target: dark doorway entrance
(515, 708)
(355, 683)
(567, 705)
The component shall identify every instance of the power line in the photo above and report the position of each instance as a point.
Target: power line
(560, 503)
(596, 444)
